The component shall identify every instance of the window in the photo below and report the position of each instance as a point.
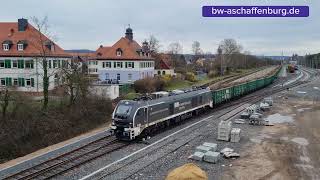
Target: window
(28, 82)
(163, 72)
(14, 64)
(55, 63)
(2, 82)
(159, 72)
(1, 63)
(20, 64)
(20, 47)
(129, 77)
(119, 52)
(106, 64)
(93, 62)
(15, 82)
(21, 82)
(29, 64)
(7, 63)
(107, 76)
(93, 70)
(118, 77)
(64, 64)
(119, 65)
(6, 47)
(129, 64)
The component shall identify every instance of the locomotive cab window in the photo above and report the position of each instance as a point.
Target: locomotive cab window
(123, 110)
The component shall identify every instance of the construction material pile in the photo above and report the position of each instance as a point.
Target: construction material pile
(188, 171)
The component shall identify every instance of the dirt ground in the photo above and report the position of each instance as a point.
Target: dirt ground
(287, 150)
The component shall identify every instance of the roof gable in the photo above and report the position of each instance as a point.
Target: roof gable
(10, 32)
(130, 50)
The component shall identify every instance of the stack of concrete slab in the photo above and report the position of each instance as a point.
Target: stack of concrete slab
(268, 100)
(213, 146)
(224, 130)
(264, 106)
(211, 157)
(252, 109)
(203, 148)
(197, 156)
(206, 152)
(235, 135)
(245, 115)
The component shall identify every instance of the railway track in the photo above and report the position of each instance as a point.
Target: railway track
(251, 98)
(105, 145)
(70, 160)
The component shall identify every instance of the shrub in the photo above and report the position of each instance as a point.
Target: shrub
(27, 128)
(212, 74)
(149, 85)
(191, 77)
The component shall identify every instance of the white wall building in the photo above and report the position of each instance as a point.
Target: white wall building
(124, 62)
(21, 57)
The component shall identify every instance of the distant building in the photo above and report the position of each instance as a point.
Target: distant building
(124, 62)
(163, 65)
(20, 57)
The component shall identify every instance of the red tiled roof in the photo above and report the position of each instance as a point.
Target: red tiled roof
(164, 61)
(9, 31)
(128, 47)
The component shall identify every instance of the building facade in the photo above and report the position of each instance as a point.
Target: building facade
(124, 62)
(163, 66)
(21, 57)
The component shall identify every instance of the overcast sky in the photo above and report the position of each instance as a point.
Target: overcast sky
(86, 24)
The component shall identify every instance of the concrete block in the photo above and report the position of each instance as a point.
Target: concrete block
(203, 149)
(245, 115)
(268, 100)
(235, 135)
(224, 130)
(211, 157)
(213, 146)
(197, 156)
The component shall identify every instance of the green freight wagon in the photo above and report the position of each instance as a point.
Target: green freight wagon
(223, 95)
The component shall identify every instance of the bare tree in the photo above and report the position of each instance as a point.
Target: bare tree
(196, 48)
(229, 48)
(4, 101)
(41, 41)
(154, 45)
(174, 49)
(76, 81)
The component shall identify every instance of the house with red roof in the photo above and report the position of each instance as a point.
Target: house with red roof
(21, 53)
(164, 65)
(124, 62)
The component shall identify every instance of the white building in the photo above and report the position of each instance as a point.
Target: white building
(21, 57)
(124, 62)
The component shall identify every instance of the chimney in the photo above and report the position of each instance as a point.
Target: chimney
(22, 24)
(129, 34)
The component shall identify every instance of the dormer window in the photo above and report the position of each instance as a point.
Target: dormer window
(6, 47)
(20, 47)
(49, 45)
(119, 52)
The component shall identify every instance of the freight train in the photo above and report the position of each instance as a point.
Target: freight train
(133, 118)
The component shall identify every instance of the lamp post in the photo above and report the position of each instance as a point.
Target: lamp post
(221, 60)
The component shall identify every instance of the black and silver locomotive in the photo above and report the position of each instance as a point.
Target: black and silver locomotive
(131, 118)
